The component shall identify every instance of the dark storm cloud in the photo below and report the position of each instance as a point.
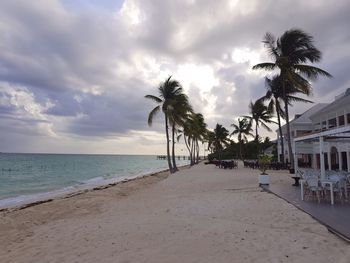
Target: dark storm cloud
(62, 57)
(105, 115)
(65, 104)
(43, 46)
(85, 73)
(212, 28)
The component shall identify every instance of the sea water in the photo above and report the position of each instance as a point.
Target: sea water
(26, 178)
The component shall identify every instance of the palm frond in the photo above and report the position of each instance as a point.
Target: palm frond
(234, 126)
(271, 106)
(296, 83)
(265, 126)
(234, 132)
(311, 72)
(152, 114)
(154, 98)
(270, 43)
(280, 111)
(297, 99)
(263, 99)
(178, 137)
(266, 66)
(250, 118)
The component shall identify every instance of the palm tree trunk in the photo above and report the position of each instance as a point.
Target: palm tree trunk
(192, 152)
(280, 131)
(188, 143)
(290, 153)
(197, 145)
(173, 149)
(167, 143)
(257, 139)
(240, 149)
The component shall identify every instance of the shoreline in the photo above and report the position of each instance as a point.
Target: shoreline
(46, 197)
(203, 214)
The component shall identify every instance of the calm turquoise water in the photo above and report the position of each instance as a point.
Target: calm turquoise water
(30, 177)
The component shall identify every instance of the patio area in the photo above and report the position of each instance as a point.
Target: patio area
(335, 217)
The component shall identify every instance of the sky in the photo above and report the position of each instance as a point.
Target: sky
(73, 73)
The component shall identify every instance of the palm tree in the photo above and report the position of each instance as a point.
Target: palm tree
(178, 112)
(199, 134)
(188, 137)
(194, 131)
(261, 115)
(220, 139)
(168, 91)
(289, 53)
(242, 129)
(274, 97)
(210, 138)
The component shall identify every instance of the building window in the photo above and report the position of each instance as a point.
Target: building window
(332, 123)
(341, 120)
(301, 133)
(317, 127)
(324, 125)
(348, 118)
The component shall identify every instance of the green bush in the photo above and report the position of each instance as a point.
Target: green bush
(263, 160)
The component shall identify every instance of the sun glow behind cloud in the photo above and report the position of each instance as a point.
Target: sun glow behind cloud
(243, 55)
(131, 13)
(77, 71)
(201, 76)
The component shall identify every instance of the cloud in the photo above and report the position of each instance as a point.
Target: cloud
(77, 74)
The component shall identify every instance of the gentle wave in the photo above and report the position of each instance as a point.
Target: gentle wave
(82, 186)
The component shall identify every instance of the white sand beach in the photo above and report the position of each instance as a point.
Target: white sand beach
(202, 214)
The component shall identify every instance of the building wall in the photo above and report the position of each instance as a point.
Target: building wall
(334, 115)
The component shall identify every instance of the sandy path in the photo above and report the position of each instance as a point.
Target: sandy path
(202, 214)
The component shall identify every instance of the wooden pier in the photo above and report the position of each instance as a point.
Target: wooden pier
(179, 157)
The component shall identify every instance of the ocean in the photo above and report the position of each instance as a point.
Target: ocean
(26, 178)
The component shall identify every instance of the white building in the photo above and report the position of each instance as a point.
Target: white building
(321, 136)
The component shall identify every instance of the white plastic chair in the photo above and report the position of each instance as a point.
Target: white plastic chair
(339, 187)
(313, 187)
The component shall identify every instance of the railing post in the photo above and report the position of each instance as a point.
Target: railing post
(295, 158)
(323, 173)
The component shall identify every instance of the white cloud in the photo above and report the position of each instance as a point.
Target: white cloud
(131, 13)
(242, 55)
(76, 79)
(20, 102)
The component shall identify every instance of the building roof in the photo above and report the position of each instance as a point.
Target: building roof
(305, 117)
(342, 99)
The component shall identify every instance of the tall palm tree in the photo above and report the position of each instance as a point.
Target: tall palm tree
(200, 131)
(274, 97)
(188, 137)
(168, 91)
(178, 112)
(220, 139)
(194, 131)
(290, 52)
(242, 129)
(260, 115)
(210, 138)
